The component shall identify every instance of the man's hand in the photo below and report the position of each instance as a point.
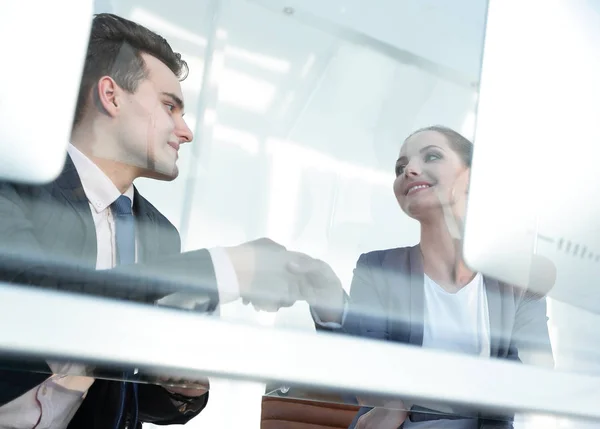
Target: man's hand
(320, 287)
(263, 277)
(271, 277)
(191, 389)
(382, 418)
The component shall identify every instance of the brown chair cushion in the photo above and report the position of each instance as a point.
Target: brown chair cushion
(285, 413)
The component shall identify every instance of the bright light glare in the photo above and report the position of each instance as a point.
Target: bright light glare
(308, 157)
(289, 161)
(244, 140)
(164, 27)
(263, 61)
(170, 31)
(210, 117)
(246, 92)
(308, 65)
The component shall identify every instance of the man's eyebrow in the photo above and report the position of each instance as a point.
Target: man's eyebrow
(178, 101)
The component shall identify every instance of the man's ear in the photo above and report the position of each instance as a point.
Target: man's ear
(107, 96)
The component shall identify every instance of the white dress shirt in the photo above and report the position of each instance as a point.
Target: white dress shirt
(52, 404)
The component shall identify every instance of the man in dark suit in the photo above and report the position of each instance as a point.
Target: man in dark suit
(91, 232)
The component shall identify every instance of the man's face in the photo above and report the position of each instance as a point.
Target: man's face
(151, 127)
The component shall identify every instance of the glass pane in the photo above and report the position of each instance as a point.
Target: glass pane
(302, 120)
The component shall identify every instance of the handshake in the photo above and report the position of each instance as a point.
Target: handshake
(271, 277)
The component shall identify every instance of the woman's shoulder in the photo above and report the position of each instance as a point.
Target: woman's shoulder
(377, 257)
(519, 294)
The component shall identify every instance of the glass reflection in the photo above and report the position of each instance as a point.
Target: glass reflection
(91, 232)
(296, 131)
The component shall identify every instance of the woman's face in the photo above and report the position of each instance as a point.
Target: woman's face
(429, 174)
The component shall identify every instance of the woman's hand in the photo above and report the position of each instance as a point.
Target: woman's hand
(382, 418)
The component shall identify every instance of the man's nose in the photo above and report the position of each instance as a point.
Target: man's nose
(183, 132)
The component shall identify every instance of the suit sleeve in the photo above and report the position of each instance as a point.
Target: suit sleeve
(366, 313)
(23, 261)
(530, 338)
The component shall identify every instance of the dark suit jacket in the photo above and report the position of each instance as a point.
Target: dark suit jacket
(48, 240)
(387, 302)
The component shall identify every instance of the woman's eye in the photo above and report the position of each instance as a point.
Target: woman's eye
(170, 107)
(400, 169)
(432, 157)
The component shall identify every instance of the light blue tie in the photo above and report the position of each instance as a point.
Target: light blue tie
(125, 243)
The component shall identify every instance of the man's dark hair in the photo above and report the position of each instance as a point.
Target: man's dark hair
(115, 49)
(460, 144)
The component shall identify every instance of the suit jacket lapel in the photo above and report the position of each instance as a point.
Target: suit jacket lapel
(403, 269)
(417, 297)
(501, 316)
(69, 185)
(147, 228)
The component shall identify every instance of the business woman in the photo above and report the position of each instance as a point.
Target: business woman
(426, 295)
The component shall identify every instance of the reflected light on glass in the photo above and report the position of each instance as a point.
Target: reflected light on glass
(217, 67)
(246, 141)
(164, 27)
(287, 102)
(246, 92)
(191, 121)
(169, 30)
(289, 160)
(539, 422)
(283, 195)
(308, 65)
(193, 82)
(210, 117)
(263, 61)
(265, 318)
(468, 126)
(221, 34)
(552, 329)
(308, 157)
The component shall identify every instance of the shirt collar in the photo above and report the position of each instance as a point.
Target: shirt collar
(100, 191)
